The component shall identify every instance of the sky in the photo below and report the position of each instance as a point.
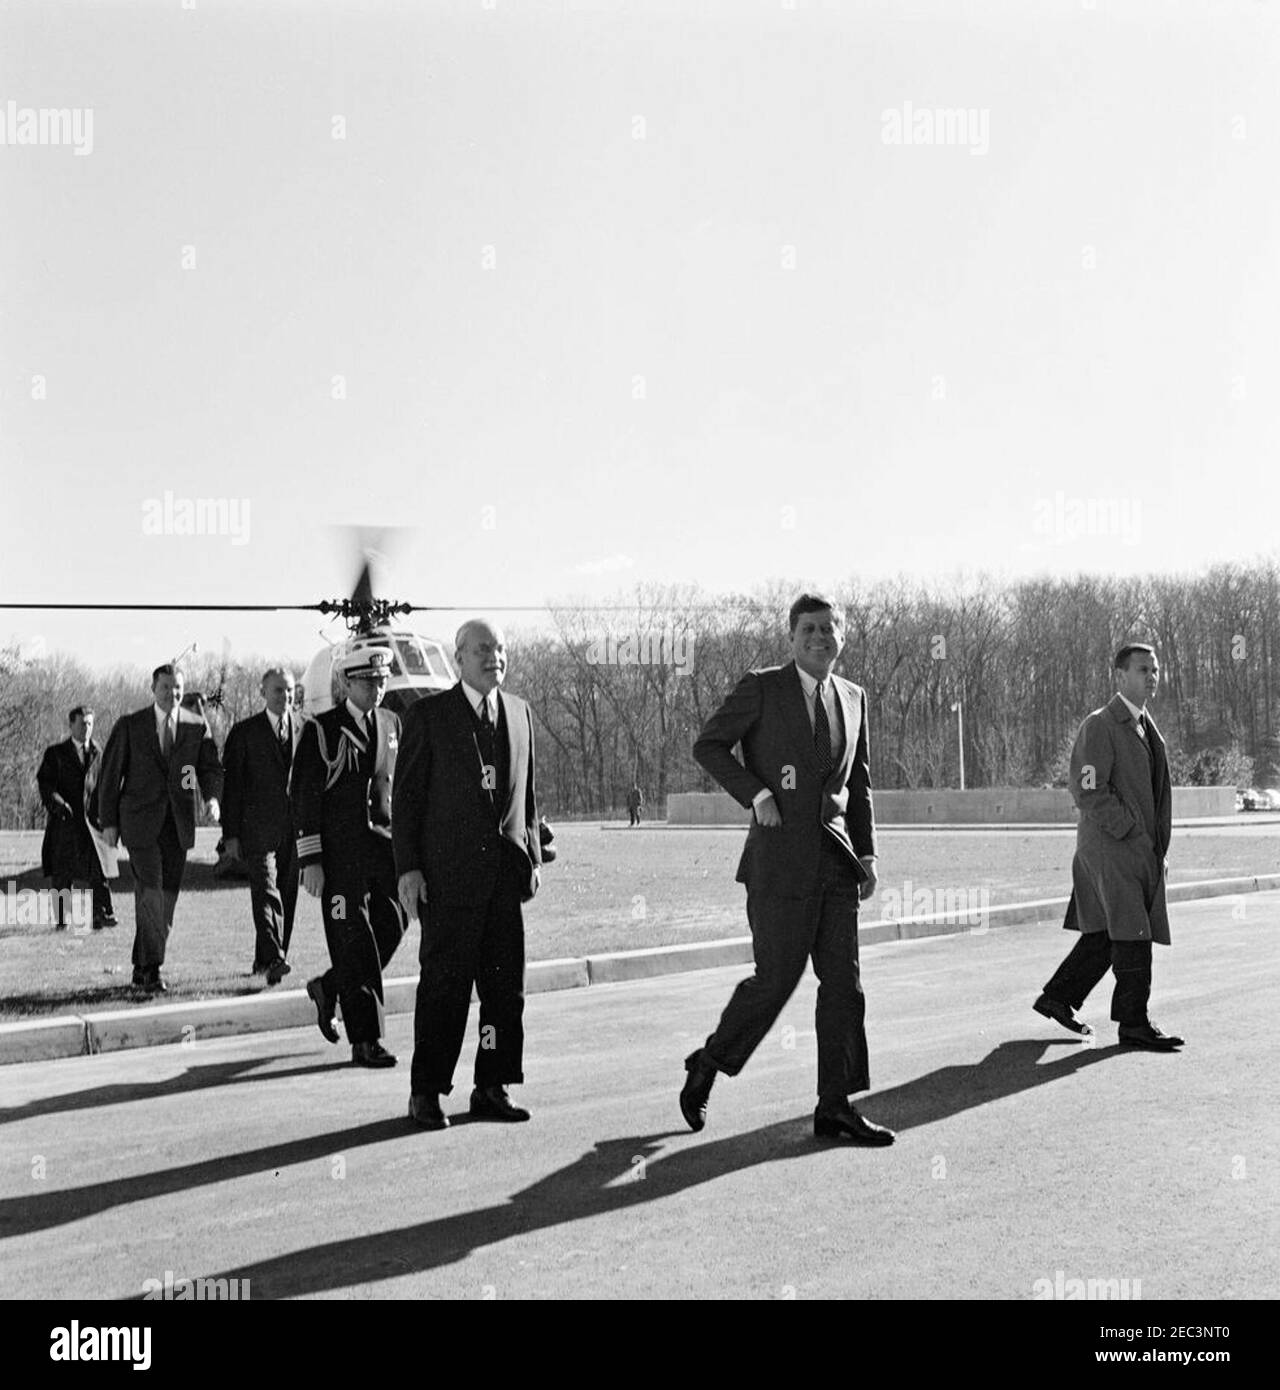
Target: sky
(585, 296)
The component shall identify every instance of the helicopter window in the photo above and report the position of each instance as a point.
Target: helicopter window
(413, 658)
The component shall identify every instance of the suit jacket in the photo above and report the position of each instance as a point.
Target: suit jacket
(67, 851)
(444, 817)
(136, 786)
(1117, 878)
(255, 800)
(341, 789)
(767, 714)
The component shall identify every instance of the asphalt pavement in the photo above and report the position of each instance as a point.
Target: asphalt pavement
(1023, 1154)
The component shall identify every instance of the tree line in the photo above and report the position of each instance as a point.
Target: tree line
(619, 696)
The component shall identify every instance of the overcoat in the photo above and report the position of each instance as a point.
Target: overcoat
(1125, 801)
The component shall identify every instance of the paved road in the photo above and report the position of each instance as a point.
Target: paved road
(1021, 1152)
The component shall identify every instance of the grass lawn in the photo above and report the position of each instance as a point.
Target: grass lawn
(609, 890)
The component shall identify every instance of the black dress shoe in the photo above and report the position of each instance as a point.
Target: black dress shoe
(1149, 1036)
(425, 1111)
(324, 1008)
(844, 1122)
(1061, 1013)
(493, 1103)
(371, 1054)
(697, 1088)
(139, 978)
(106, 919)
(277, 970)
(153, 984)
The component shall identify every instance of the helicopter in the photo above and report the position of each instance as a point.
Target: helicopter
(419, 665)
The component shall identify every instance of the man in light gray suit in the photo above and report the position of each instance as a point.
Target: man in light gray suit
(1119, 780)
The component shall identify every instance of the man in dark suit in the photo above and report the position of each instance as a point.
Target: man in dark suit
(67, 780)
(341, 793)
(158, 760)
(468, 850)
(1119, 780)
(809, 859)
(257, 820)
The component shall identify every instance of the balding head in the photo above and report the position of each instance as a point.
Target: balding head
(481, 654)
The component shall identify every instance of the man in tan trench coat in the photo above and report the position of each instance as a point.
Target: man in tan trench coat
(1120, 782)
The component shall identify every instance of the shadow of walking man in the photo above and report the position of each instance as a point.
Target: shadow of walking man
(625, 1172)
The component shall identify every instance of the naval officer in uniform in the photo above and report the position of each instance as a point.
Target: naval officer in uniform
(341, 796)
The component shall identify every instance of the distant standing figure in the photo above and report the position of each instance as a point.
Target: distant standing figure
(67, 780)
(157, 762)
(635, 799)
(1119, 779)
(257, 819)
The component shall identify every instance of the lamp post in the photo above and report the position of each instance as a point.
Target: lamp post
(958, 710)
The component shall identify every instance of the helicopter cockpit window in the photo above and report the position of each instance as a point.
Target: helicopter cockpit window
(413, 658)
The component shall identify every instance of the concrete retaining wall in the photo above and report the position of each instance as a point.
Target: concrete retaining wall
(949, 806)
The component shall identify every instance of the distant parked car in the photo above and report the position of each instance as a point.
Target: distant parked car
(1273, 799)
(1254, 800)
(1239, 799)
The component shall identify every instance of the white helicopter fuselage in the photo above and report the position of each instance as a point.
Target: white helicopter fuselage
(420, 666)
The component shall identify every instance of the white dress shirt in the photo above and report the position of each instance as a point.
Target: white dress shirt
(829, 702)
(475, 700)
(1136, 712)
(172, 719)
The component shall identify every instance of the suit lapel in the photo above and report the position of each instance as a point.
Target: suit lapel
(152, 736)
(796, 709)
(840, 772)
(263, 717)
(515, 746)
(353, 729)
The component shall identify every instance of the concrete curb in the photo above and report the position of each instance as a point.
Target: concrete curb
(1240, 818)
(77, 1035)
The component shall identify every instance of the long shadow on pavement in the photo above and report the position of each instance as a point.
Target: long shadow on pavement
(600, 1181)
(193, 1079)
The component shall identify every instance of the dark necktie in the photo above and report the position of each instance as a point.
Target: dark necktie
(371, 733)
(166, 746)
(488, 748)
(286, 738)
(822, 733)
(1151, 753)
